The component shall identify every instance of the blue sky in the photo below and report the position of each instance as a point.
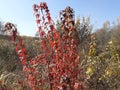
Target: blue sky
(20, 12)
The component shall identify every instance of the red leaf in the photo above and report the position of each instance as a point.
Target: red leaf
(23, 62)
(42, 34)
(36, 88)
(0, 81)
(39, 28)
(37, 16)
(51, 27)
(38, 21)
(20, 41)
(51, 43)
(35, 10)
(49, 18)
(43, 18)
(56, 35)
(20, 82)
(34, 6)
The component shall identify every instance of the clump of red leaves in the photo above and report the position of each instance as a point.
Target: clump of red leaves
(59, 55)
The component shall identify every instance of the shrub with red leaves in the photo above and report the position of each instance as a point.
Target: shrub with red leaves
(56, 68)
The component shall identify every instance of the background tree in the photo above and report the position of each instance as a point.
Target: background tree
(1, 27)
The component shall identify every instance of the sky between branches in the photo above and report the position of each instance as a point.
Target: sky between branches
(20, 12)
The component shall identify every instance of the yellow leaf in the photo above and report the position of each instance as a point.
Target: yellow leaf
(89, 70)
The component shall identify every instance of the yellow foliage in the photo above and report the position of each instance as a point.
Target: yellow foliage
(110, 42)
(89, 70)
